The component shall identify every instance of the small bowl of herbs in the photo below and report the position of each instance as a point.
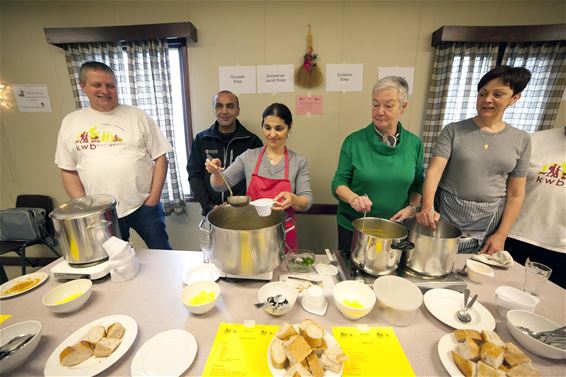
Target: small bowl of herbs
(301, 261)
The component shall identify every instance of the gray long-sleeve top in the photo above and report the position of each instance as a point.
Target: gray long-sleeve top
(245, 163)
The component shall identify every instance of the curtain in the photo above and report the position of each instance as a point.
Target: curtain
(145, 83)
(457, 69)
(540, 101)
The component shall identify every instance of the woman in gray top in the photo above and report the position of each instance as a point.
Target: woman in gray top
(272, 171)
(476, 177)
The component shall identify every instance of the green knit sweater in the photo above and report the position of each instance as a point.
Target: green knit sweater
(387, 175)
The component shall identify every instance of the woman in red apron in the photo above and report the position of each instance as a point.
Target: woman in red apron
(272, 171)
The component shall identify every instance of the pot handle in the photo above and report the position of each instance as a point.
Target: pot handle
(201, 225)
(464, 238)
(403, 245)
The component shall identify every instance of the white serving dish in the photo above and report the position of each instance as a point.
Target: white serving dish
(353, 290)
(478, 272)
(508, 298)
(277, 288)
(18, 357)
(53, 299)
(536, 323)
(193, 289)
(398, 299)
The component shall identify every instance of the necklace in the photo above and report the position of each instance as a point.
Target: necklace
(485, 144)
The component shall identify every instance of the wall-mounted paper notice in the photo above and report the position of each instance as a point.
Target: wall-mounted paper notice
(238, 79)
(408, 73)
(344, 77)
(32, 98)
(308, 105)
(275, 78)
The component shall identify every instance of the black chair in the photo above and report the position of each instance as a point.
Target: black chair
(19, 247)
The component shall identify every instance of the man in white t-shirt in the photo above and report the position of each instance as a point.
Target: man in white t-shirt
(115, 149)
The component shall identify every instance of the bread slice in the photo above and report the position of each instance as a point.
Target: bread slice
(462, 334)
(484, 370)
(523, 370)
(469, 349)
(303, 325)
(94, 334)
(277, 354)
(333, 358)
(115, 330)
(492, 354)
(492, 337)
(298, 370)
(296, 349)
(315, 365)
(313, 334)
(514, 356)
(75, 354)
(285, 331)
(321, 348)
(106, 346)
(467, 367)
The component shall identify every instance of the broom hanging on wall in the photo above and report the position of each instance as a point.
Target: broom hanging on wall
(308, 74)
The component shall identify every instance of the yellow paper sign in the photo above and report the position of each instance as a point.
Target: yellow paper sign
(4, 317)
(240, 351)
(376, 352)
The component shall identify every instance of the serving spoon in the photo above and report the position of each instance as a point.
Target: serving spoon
(462, 314)
(14, 344)
(272, 300)
(233, 200)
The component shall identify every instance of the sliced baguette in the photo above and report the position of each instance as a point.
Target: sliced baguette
(492, 337)
(303, 325)
(106, 346)
(462, 334)
(94, 334)
(277, 354)
(115, 330)
(469, 349)
(467, 367)
(484, 370)
(315, 366)
(296, 349)
(76, 353)
(514, 356)
(314, 334)
(492, 354)
(523, 370)
(285, 331)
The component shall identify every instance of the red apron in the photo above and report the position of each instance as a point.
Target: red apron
(263, 187)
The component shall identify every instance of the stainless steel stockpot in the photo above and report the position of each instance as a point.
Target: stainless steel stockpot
(435, 250)
(377, 245)
(83, 225)
(242, 242)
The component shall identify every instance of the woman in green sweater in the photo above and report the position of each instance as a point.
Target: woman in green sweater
(380, 171)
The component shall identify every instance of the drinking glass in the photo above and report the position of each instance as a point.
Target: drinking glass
(535, 276)
(205, 246)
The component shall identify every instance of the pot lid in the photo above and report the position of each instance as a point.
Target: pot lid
(85, 206)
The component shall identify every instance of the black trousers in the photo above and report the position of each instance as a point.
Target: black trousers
(345, 242)
(557, 261)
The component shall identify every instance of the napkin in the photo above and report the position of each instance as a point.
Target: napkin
(501, 257)
(122, 261)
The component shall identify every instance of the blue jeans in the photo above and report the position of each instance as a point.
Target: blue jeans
(149, 223)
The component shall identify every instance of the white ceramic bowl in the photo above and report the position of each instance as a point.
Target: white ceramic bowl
(196, 287)
(263, 206)
(69, 296)
(353, 290)
(508, 298)
(536, 323)
(277, 288)
(18, 357)
(398, 300)
(478, 272)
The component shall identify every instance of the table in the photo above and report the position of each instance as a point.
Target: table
(153, 300)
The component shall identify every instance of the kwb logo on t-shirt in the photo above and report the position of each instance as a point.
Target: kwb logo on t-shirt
(552, 174)
(93, 139)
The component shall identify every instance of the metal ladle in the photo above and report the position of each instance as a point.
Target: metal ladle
(14, 344)
(233, 200)
(462, 314)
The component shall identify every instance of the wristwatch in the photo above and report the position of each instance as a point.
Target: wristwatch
(414, 208)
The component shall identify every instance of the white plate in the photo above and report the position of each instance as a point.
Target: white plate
(446, 345)
(301, 286)
(37, 277)
(94, 365)
(444, 303)
(326, 269)
(169, 353)
(482, 258)
(330, 341)
(205, 271)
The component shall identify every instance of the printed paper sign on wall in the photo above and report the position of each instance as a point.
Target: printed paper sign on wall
(237, 79)
(32, 98)
(344, 77)
(306, 105)
(275, 78)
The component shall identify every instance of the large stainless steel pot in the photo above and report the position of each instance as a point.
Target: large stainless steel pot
(435, 251)
(242, 242)
(83, 225)
(377, 245)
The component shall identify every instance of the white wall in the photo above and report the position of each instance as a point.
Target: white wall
(374, 33)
